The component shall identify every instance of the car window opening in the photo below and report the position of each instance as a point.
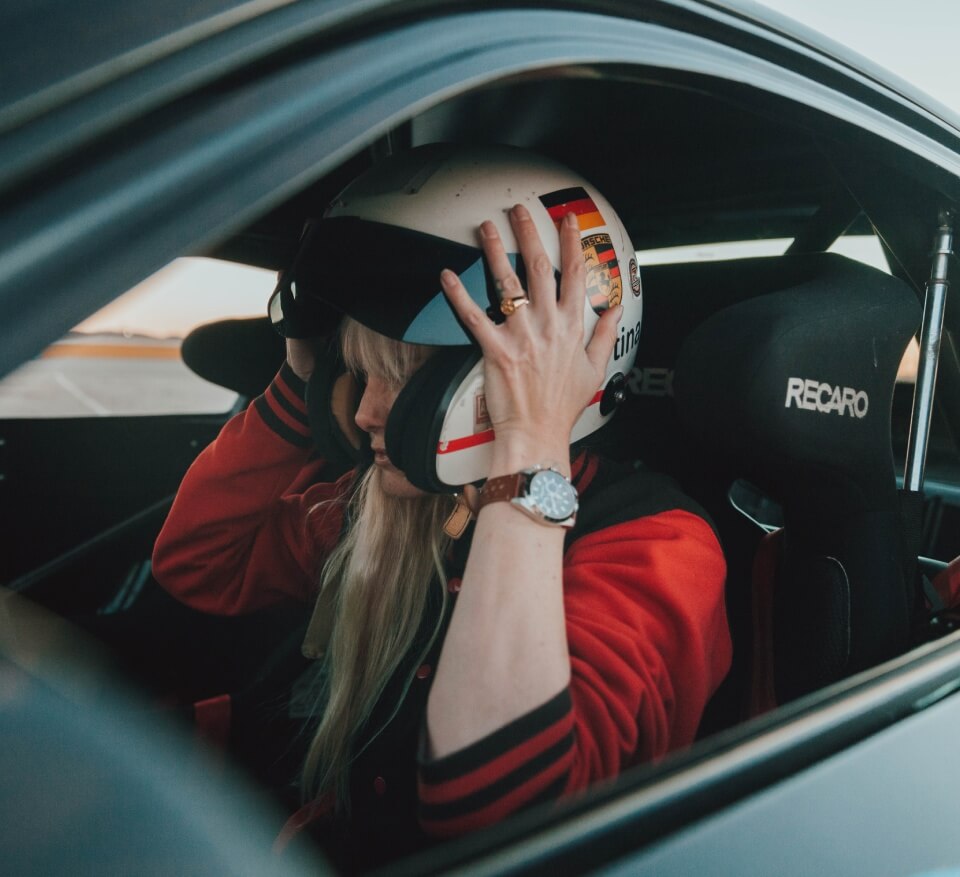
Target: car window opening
(205, 319)
(125, 360)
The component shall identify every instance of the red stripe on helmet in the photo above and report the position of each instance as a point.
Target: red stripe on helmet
(481, 438)
(468, 441)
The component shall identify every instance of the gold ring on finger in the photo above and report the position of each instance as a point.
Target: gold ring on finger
(509, 306)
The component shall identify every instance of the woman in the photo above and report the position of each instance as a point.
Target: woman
(463, 675)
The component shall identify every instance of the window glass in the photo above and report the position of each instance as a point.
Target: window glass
(864, 248)
(714, 252)
(125, 359)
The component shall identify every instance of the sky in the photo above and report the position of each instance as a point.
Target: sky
(186, 293)
(914, 39)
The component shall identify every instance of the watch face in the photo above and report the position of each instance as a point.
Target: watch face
(553, 495)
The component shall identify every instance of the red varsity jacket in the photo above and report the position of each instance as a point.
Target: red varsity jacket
(646, 625)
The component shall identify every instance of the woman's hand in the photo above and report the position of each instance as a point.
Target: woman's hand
(301, 357)
(505, 652)
(538, 376)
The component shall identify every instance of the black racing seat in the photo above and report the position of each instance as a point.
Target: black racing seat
(677, 298)
(240, 354)
(792, 390)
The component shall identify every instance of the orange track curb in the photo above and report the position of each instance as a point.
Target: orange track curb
(111, 351)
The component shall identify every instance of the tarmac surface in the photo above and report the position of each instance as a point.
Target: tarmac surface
(101, 376)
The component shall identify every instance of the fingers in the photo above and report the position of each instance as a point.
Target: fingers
(540, 272)
(542, 290)
(508, 284)
(573, 274)
(600, 348)
(470, 314)
(542, 287)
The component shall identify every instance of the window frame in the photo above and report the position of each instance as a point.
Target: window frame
(186, 176)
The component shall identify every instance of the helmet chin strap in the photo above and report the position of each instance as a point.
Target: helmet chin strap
(414, 425)
(344, 401)
(333, 395)
(464, 512)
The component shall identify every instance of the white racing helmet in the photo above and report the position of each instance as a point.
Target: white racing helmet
(377, 253)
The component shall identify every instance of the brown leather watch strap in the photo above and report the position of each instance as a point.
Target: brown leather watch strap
(503, 487)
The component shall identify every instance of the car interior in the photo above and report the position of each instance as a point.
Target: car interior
(827, 563)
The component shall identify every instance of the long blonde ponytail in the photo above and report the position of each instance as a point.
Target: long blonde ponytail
(380, 574)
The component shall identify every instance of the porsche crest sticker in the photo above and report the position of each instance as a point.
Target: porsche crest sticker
(604, 284)
(604, 287)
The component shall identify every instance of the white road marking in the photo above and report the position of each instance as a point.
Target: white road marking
(80, 396)
(87, 387)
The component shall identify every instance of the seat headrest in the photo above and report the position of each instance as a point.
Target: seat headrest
(796, 386)
(676, 299)
(242, 355)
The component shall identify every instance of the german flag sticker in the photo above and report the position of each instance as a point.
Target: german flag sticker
(604, 286)
(574, 200)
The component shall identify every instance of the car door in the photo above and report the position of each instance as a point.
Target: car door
(99, 429)
(200, 156)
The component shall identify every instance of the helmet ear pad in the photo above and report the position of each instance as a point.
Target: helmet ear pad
(416, 419)
(333, 395)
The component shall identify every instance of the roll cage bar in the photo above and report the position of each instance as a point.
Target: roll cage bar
(931, 332)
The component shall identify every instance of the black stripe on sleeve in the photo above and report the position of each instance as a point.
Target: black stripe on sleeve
(297, 414)
(278, 426)
(502, 787)
(493, 745)
(551, 793)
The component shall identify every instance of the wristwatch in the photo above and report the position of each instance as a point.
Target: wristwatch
(542, 492)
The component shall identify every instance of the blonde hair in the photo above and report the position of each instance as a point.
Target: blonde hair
(381, 573)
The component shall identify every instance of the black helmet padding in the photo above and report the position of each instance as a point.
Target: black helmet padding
(794, 388)
(333, 395)
(416, 419)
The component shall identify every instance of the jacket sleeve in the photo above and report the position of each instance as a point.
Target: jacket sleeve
(649, 643)
(250, 525)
